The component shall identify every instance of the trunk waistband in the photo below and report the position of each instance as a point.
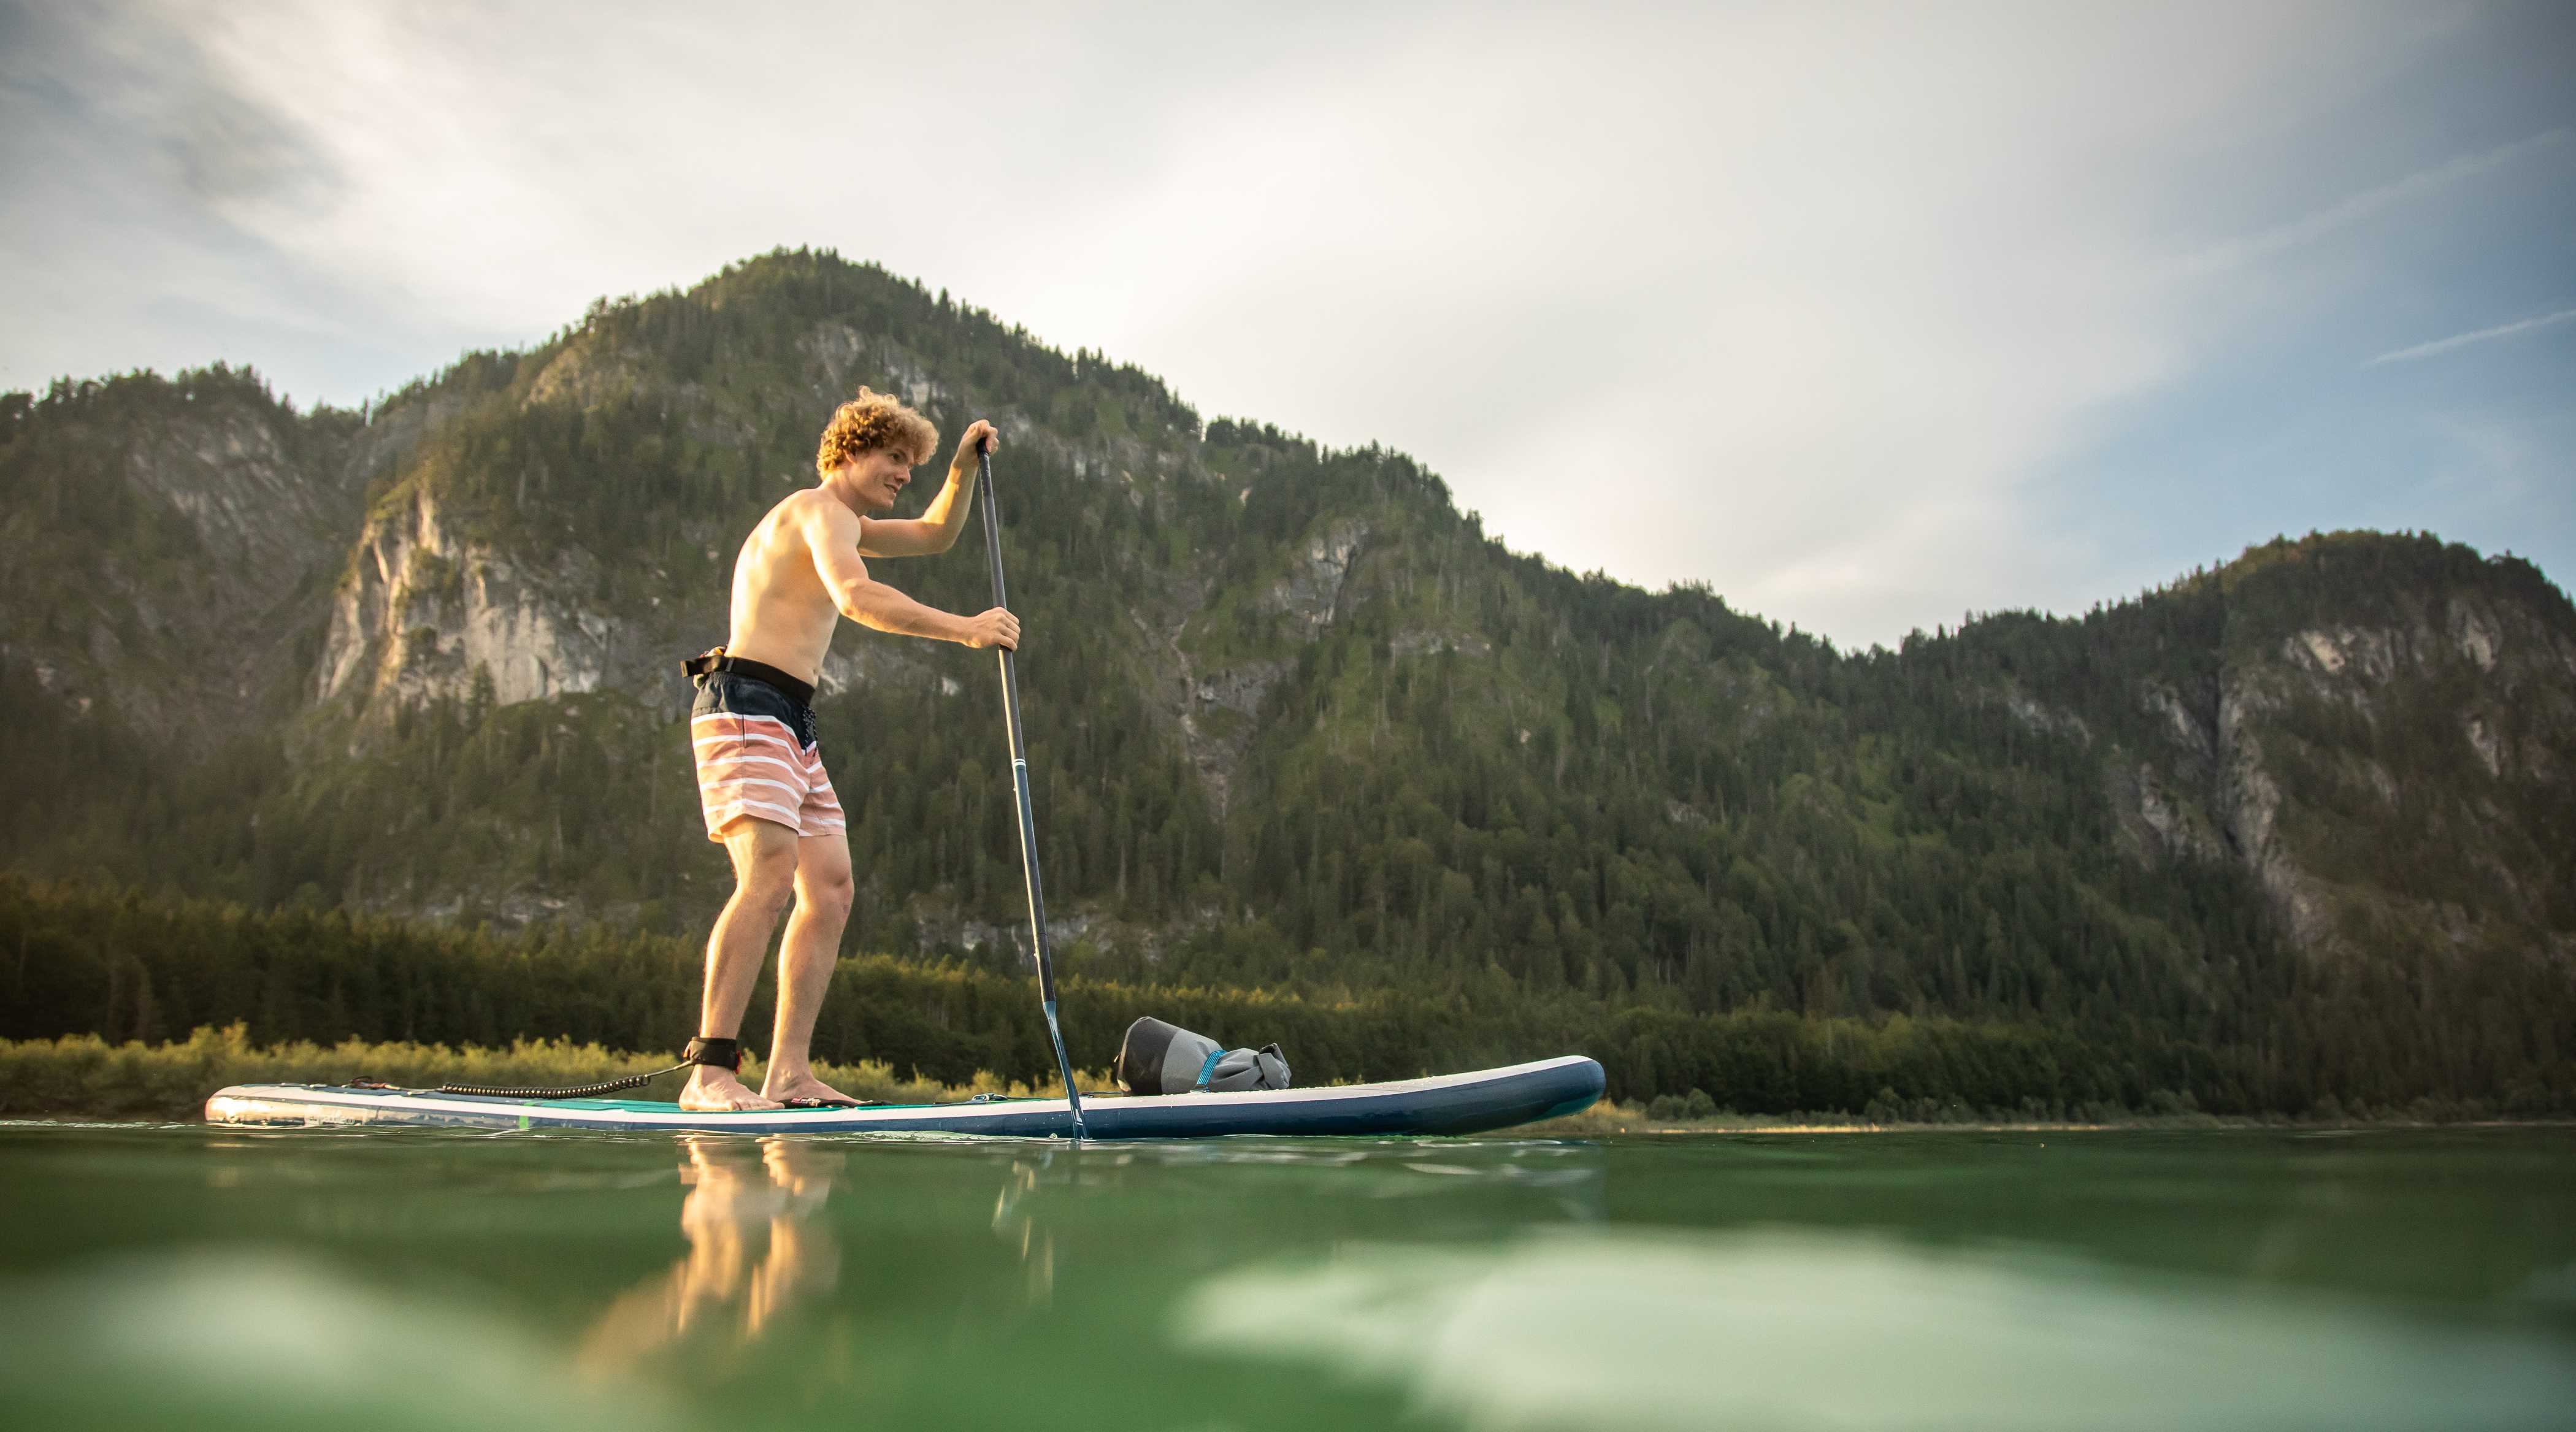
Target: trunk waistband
(713, 660)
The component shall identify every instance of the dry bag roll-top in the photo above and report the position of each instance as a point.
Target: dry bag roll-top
(1160, 1058)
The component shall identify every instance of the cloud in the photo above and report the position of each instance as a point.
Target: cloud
(1798, 302)
(129, 157)
(2463, 340)
(2379, 199)
(1779, 306)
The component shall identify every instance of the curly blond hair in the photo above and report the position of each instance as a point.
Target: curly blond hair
(873, 422)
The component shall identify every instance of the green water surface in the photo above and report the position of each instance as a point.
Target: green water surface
(190, 1276)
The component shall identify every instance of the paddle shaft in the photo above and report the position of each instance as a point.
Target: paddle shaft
(1020, 788)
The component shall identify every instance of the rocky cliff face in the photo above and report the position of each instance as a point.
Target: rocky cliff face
(2443, 731)
(166, 549)
(2386, 747)
(427, 613)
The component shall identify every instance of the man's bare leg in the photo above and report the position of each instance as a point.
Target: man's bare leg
(764, 877)
(805, 961)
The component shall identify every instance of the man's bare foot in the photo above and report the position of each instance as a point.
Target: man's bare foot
(715, 1091)
(783, 1087)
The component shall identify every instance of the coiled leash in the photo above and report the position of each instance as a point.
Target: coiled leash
(721, 1053)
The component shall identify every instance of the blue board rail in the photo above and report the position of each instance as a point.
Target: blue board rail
(1469, 1103)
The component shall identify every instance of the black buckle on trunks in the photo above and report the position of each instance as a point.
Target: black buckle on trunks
(713, 660)
(715, 1053)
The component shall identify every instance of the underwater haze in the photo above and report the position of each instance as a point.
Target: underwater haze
(192, 1276)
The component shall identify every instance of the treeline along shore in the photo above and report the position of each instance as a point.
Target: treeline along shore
(121, 967)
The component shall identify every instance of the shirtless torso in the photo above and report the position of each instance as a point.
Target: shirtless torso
(783, 614)
(802, 568)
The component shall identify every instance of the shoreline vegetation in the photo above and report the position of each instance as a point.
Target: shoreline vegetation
(101, 990)
(83, 1077)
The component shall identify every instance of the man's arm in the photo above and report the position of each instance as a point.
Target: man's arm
(936, 529)
(832, 533)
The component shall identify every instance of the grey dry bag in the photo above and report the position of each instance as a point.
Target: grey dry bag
(1160, 1058)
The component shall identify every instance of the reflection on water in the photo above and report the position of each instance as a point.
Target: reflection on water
(755, 1250)
(396, 1279)
(1791, 1329)
(1015, 1222)
(274, 1340)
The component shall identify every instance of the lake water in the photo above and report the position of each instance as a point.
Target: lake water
(188, 1276)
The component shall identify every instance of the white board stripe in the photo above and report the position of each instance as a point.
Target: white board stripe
(541, 1112)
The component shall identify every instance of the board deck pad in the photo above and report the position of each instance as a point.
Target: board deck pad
(1442, 1104)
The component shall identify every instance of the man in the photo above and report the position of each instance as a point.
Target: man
(760, 778)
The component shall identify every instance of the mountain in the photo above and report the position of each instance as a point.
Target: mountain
(1295, 720)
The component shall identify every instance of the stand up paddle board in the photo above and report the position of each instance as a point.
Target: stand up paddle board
(1446, 1104)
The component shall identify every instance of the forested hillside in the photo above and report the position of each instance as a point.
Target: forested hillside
(1296, 722)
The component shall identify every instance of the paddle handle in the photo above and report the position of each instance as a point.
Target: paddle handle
(1020, 789)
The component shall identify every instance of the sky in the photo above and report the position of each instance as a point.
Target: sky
(1867, 316)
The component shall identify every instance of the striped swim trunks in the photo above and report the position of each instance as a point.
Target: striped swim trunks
(757, 756)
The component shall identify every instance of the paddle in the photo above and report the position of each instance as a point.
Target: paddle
(1020, 786)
